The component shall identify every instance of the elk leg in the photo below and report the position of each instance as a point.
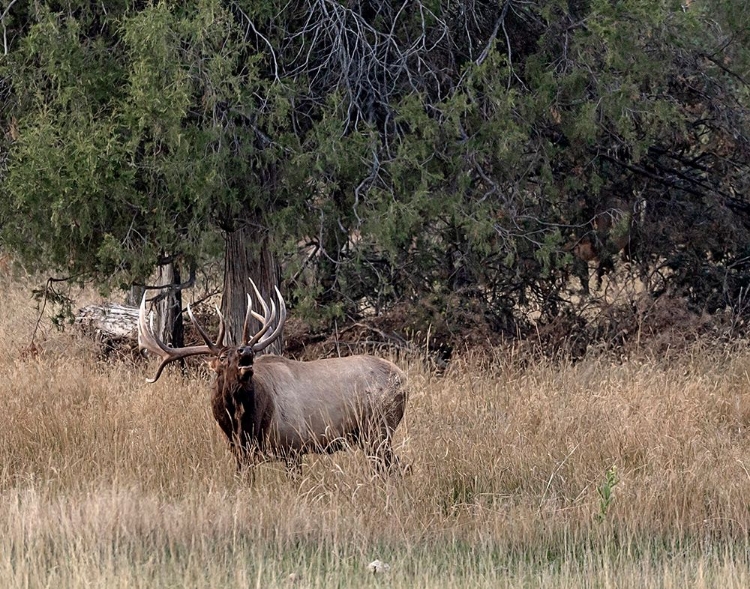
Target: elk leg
(390, 464)
(383, 459)
(246, 473)
(379, 451)
(240, 456)
(243, 449)
(293, 466)
(237, 453)
(385, 455)
(246, 462)
(381, 435)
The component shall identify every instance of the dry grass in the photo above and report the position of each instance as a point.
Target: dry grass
(106, 481)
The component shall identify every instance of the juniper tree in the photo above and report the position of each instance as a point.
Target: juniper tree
(467, 158)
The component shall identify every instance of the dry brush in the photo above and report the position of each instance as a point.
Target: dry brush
(108, 481)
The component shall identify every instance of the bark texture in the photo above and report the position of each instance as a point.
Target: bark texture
(168, 325)
(247, 255)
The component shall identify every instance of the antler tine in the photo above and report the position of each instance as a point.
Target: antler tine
(265, 320)
(159, 370)
(149, 342)
(250, 313)
(269, 339)
(213, 347)
(261, 299)
(222, 328)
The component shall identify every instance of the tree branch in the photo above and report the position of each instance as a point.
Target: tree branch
(2, 19)
(724, 68)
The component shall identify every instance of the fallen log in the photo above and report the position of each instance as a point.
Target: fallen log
(113, 327)
(109, 321)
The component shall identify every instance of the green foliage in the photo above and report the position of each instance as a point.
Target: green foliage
(398, 156)
(124, 151)
(606, 492)
(61, 304)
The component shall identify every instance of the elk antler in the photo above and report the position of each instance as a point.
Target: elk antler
(260, 340)
(265, 319)
(149, 342)
(215, 347)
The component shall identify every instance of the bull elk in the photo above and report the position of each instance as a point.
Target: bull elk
(273, 408)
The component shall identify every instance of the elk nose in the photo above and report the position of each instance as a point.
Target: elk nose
(245, 357)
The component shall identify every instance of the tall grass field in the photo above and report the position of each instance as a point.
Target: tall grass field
(523, 474)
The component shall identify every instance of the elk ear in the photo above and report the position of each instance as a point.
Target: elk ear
(214, 364)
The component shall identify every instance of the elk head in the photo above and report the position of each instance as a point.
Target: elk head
(231, 363)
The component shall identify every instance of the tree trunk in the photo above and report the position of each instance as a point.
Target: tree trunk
(134, 296)
(168, 325)
(247, 255)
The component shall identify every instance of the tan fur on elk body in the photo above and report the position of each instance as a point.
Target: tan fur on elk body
(275, 408)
